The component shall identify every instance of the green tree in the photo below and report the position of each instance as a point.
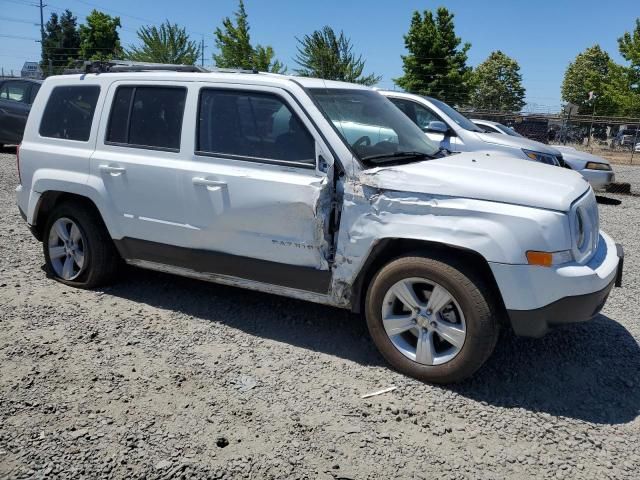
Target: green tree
(324, 54)
(99, 38)
(436, 64)
(626, 80)
(235, 50)
(497, 84)
(629, 45)
(168, 43)
(621, 91)
(61, 45)
(589, 72)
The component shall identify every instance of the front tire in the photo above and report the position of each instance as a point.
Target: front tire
(431, 319)
(77, 247)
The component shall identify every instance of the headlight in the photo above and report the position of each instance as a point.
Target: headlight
(541, 157)
(584, 224)
(598, 166)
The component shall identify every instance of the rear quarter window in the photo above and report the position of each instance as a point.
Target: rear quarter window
(69, 112)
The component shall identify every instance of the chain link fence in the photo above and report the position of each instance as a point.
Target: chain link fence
(615, 138)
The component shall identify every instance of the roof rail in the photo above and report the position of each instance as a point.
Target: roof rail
(127, 66)
(130, 66)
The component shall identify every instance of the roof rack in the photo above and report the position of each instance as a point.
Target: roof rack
(130, 66)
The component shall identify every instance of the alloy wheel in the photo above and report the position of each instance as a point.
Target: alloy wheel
(67, 249)
(424, 321)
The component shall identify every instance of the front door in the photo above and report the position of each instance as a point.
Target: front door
(421, 116)
(253, 190)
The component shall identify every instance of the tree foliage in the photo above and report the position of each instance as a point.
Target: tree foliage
(324, 54)
(168, 43)
(61, 44)
(99, 38)
(628, 78)
(497, 84)
(436, 64)
(629, 45)
(589, 72)
(235, 50)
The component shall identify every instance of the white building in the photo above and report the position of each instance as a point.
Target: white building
(31, 70)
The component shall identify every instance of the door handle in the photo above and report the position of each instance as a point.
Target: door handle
(111, 169)
(208, 183)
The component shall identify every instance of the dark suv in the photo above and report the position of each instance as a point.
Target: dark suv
(16, 97)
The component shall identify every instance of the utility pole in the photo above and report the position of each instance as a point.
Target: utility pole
(594, 97)
(202, 52)
(41, 6)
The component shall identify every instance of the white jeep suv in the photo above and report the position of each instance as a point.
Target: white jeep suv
(316, 190)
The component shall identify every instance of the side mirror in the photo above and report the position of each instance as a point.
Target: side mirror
(437, 126)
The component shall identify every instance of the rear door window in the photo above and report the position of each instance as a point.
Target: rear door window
(252, 125)
(69, 112)
(147, 117)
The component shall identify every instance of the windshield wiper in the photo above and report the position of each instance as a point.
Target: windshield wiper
(396, 156)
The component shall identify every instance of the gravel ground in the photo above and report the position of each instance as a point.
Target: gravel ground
(163, 377)
(629, 174)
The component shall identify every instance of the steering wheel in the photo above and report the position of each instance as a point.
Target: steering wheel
(364, 140)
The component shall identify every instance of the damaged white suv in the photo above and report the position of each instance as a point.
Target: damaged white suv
(316, 190)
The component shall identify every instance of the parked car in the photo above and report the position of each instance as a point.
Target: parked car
(258, 181)
(596, 170)
(625, 138)
(16, 98)
(456, 133)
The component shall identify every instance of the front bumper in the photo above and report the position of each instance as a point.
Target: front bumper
(578, 308)
(538, 298)
(599, 179)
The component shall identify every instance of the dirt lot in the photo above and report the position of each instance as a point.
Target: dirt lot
(619, 157)
(162, 377)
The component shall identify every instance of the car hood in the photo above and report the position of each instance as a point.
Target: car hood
(482, 176)
(516, 142)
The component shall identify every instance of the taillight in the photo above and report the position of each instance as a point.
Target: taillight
(18, 163)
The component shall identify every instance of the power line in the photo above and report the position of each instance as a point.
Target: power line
(17, 20)
(21, 2)
(18, 37)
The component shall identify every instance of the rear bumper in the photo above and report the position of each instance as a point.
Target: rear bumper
(538, 298)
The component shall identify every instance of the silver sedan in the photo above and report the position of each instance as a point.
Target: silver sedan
(596, 170)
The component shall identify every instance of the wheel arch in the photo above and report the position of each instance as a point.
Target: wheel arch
(49, 200)
(388, 249)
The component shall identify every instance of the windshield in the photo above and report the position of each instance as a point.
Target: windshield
(373, 127)
(508, 130)
(456, 116)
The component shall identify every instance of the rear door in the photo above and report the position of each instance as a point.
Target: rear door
(257, 191)
(137, 159)
(14, 110)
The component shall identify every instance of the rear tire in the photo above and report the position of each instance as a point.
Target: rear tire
(450, 330)
(77, 247)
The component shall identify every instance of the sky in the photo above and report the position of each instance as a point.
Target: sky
(542, 35)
